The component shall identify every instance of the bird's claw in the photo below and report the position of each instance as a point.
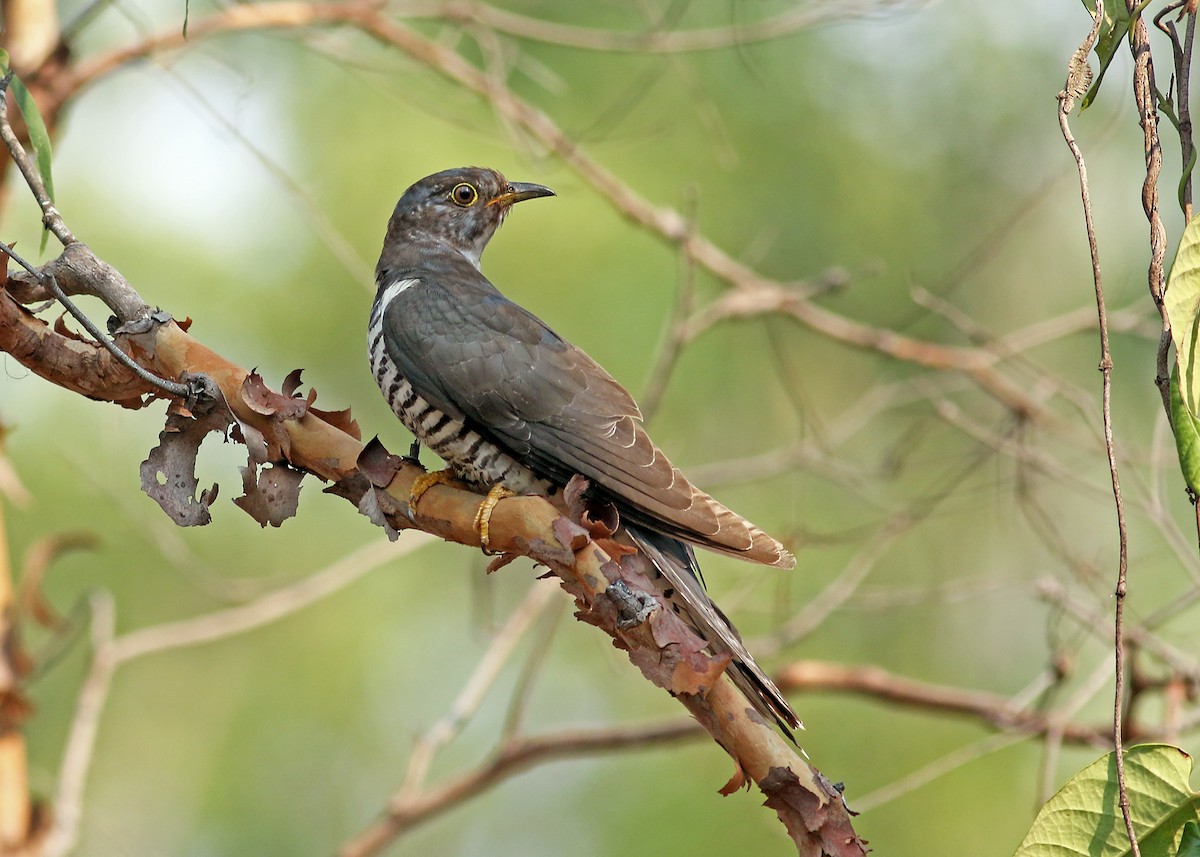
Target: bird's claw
(483, 517)
(426, 481)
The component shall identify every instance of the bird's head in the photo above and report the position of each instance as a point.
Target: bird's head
(461, 207)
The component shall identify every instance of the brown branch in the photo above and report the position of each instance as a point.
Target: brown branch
(514, 757)
(653, 42)
(877, 683)
(17, 812)
(1145, 94)
(530, 526)
(110, 652)
(752, 293)
(78, 365)
(753, 297)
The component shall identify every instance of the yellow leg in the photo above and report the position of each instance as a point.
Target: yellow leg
(483, 517)
(426, 481)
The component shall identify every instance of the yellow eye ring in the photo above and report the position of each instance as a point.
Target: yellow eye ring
(464, 195)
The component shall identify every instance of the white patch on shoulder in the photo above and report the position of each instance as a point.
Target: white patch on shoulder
(394, 289)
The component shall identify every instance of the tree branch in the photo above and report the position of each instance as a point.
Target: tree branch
(752, 293)
(531, 526)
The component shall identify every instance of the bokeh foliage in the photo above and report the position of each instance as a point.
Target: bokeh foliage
(915, 148)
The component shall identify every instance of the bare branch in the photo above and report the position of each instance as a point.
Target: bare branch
(996, 710)
(658, 41)
(752, 293)
(110, 652)
(469, 699)
(517, 755)
(1078, 76)
(530, 526)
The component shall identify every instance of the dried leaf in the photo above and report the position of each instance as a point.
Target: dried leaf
(600, 518)
(169, 472)
(617, 550)
(273, 496)
(267, 402)
(573, 496)
(178, 407)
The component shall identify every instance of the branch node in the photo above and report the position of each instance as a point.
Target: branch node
(633, 608)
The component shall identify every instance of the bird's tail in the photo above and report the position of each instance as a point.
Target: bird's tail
(684, 589)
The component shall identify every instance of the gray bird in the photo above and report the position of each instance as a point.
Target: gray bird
(507, 402)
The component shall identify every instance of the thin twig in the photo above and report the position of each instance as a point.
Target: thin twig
(675, 338)
(110, 652)
(54, 222)
(1078, 78)
(515, 756)
(172, 388)
(1091, 620)
(877, 683)
(1182, 54)
(752, 293)
(656, 40)
(471, 696)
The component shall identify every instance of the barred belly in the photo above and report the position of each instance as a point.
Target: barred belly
(472, 458)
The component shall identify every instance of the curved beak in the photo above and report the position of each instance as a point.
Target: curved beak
(519, 192)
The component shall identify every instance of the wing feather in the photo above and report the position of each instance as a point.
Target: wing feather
(474, 354)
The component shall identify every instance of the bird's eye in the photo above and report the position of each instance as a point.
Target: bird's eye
(464, 194)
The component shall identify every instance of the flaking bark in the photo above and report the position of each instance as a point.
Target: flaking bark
(669, 654)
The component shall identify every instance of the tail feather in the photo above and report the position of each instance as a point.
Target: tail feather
(676, 562)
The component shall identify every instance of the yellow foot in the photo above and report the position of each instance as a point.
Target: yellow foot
(483, 517)
(426, 481)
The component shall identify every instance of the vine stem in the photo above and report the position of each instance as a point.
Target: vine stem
(1078, 79)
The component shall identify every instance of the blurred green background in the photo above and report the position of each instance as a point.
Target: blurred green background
(245, 182)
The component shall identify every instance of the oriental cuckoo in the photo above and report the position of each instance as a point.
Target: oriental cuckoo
(509, 404)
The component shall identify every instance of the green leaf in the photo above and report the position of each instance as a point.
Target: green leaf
(39, 137)
(1084, 818)
(1189, 844)
(1112, 32)
(1182, 303)
(1187, 435)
